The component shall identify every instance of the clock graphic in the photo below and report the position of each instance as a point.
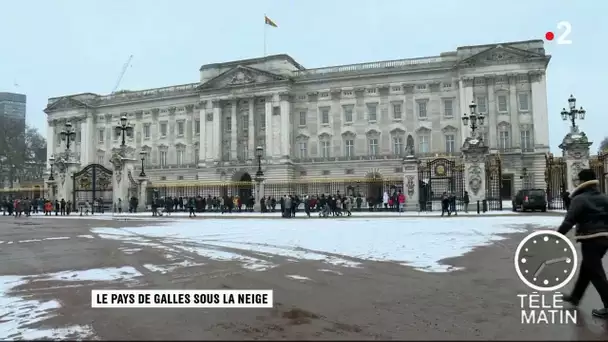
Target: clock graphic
(546, 260)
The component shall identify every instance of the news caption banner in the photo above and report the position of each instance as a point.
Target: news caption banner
(182, 299)
(545, 261)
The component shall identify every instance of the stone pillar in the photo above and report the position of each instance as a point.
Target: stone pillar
(252, 132)
(540, 115)
(216, 147)
(269, 138)
(143, 194)
(50, 141)
(575, 147)
(234, 131)
(120, 180)
(87, 141)
(64, 181)
(202, 137)
(285, 125)
(411, 184)
(258, 193)
(514, 112)
(475, 153)
(465, 87)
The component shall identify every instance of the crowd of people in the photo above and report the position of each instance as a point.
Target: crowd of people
(26, 206)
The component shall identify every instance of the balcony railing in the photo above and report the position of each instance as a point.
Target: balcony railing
(370, 66)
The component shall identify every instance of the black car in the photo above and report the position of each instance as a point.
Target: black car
(530, 199)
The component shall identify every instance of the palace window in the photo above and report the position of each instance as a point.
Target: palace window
(163, 129)
(101, 159)
(398, 145)
(349, 150)
(163, 158)
(180, 128)
(325, 116)
(504, 140)
(448, 108)
(523, 101)
(302, 119)
(303, 149)
(526, 140)
(262, 121)
(372, 112)
(228, 127)
(397, 113)
(180, 156)
(325, 149)
(147, 131)
(348, 114)
(482, 105)
(424, 143)
(450, 143)
(502, 104)
(422, 110)
(245, 123)
(373, 146)
(100, 135)
(197, 127)
(196, 156)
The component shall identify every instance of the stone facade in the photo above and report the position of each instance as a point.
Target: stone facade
(338, 122)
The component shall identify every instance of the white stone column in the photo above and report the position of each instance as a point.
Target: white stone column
(411, 184)
(143, 195)
(252, 133)
(466, 96)
(258, 194)
(475, 170)
(514, 111)
(234, 131)
(50, 141)
(268, 117)
(64, 181)
(216, 148)
(285, 107)
(491, 115)
(540, 116)
(121, 184)
(202, 137)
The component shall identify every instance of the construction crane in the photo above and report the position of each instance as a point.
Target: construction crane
(122, 73)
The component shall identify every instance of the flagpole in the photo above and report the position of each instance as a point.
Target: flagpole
(265, 28)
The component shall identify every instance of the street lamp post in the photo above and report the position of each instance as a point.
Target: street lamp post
(51, 162)
(68, 135)
(142, 156)
(573, 113)
(259, 178)
(124, 128)
(473, 120)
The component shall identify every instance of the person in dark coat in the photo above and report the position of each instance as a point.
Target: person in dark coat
(589, 212)
(465, 201)
(445, 204)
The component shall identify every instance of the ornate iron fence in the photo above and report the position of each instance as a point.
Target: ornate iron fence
(493, 181)
(555, 179)
(437, 177)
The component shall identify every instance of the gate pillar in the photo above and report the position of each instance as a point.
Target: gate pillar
(259, 193)
(411, 183)
(143, 194)
(66, 166)
(120, 180)
(475, 153)
(575, 147)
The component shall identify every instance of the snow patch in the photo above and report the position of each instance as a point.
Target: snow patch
(171, 267)
(297, 277)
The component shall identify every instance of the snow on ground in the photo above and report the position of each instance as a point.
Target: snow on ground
(18, 311)
(344, 242)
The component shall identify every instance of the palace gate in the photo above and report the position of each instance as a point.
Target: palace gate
(597, 164)
(439, 176)
(91, 183)
(555, 176)
(493, 181)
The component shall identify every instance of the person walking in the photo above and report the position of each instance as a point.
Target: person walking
(588, 210)
(465, 201)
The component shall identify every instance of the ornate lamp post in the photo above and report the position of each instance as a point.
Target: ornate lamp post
(68, 134)
(51, 163)
(124, 128)
(259, 151)
(573, 113)
(474, 119)
(142, 156)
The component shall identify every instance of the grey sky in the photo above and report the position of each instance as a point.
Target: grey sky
(61, 47)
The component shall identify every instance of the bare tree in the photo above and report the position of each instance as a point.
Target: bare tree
(22, 151)
(604, 145)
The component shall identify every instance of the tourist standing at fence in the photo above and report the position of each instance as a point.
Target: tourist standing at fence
(566, 198)
(445, 204)
(465, 201)
(589, 212)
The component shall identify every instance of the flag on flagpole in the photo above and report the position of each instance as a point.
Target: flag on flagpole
(269, 22)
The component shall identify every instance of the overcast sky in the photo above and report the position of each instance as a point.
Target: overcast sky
(61, 47)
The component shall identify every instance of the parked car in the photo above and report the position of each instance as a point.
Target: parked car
(530, 199)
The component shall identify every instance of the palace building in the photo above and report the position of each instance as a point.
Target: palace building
(350, 121)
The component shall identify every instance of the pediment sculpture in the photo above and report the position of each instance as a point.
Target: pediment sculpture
(242, 77)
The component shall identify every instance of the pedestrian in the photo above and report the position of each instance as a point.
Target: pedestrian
(465, 201)
(589, 212)
(445, 204)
